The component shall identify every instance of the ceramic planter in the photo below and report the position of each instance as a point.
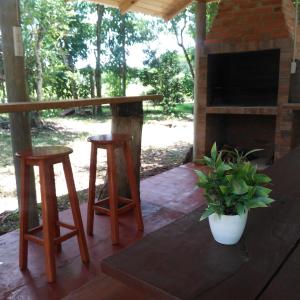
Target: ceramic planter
(226, 229)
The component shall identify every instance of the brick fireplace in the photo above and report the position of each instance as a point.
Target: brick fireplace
(245, 78)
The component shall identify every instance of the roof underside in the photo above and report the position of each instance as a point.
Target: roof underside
(165, 9)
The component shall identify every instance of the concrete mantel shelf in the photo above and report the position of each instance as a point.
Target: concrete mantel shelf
(243, 110)
(292, 106)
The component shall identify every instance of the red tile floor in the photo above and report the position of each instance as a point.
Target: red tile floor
(165, 198)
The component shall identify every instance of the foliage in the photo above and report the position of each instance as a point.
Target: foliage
(211, 12)
(163, 75)
(58, 35)
(123, 31)
(232, 187)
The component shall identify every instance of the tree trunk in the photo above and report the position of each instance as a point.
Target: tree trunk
(73, 83)
(2, 84)
(128, 119)
(188, 61)
(39, 68)
(200, 51)
(92, 83)
(92, 88)
(98, 71)
(16, 92)
(180, 43)
(35, 116)
(124, 64)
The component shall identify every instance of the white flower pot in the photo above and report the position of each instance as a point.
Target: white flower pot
(226, 229)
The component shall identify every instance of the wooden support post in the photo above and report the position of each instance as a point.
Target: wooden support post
(128, 118)
(16, 91)
(200, 51)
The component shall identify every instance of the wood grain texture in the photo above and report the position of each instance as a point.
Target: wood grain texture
(44, 158)
(182, 261)
(34, 106)
(112, 142)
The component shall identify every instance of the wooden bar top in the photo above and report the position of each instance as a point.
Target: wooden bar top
(35, 106)
(182, 261)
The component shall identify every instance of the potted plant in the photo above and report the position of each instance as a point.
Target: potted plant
(231, 187)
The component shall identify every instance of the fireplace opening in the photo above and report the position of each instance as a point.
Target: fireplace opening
(243, 132)
(243, 79)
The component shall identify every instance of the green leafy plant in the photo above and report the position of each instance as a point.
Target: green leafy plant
(232, 186)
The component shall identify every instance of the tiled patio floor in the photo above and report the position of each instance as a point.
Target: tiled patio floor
(165, 198)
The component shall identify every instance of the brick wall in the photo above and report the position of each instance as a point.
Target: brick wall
(252, 20)
(250, 25)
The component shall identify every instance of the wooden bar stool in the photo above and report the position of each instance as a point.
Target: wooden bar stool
(110, 206)
(45, 158)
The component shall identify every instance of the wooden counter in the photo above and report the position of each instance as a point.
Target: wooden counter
(35, 106)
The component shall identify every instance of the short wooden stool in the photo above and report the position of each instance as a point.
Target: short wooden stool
(45, 158)
(110, 205)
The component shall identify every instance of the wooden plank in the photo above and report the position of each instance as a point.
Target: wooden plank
(125, 5)
(286, 284)
(166, 9)
(176, 9)
(181, 260)
(35, 106)
(199, 115)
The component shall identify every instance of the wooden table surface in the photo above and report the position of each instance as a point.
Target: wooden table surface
(182, 261)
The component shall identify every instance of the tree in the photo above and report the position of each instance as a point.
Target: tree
(44, 24)
(179, 26)
(99, 41)
(73, 44)
(16, 91)
(2, 80)
(164, 75)
(123, 31)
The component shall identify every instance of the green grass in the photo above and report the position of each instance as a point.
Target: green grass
(155, 112)
(185, 108)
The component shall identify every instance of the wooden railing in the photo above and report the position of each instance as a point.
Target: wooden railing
(36, 106)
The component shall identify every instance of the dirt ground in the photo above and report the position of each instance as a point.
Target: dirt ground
(164, 145)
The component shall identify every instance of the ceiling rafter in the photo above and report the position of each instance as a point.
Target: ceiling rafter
(166, 9)
(125, 5)
(176, 9)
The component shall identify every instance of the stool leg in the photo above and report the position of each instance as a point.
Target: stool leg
(92, 190)
(75, 210)
(112, 194)
(48, 221)
(133, 187)
(25, 184)
(53, 201)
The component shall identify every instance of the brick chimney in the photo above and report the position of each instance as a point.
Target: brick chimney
(252, 20)
(248, 54)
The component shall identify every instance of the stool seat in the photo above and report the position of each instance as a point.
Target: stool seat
(109, 139)
(114, 205)
(47, 152)
(45, 158)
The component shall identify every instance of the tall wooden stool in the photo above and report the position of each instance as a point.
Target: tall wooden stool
(110, 205)
(45, 158)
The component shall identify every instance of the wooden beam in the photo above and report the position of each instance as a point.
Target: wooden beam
(125, 5)
(35, 106)
(199, 115)
(165, 9)
(176, 9)
(111, 3)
